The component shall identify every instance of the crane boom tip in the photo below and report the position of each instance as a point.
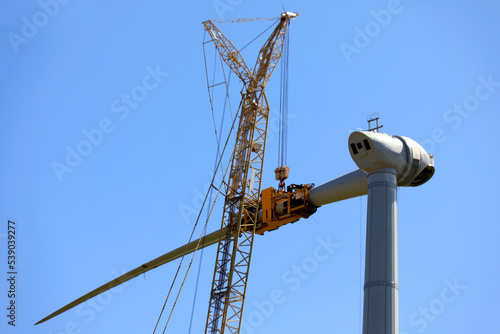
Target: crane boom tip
(290, 14)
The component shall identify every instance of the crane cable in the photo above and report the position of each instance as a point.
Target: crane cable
(282, 170)
(246, 20)
(253, 40)
(218, 136)
(194, 252)
(283, 124)
(192, 233)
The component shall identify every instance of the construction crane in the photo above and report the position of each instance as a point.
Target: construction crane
(384, 162)
(242, 199)
(246, 210)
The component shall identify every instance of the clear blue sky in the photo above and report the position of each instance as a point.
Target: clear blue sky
(430, 69)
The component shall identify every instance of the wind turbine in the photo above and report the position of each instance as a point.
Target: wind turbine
(388, 161)
(385, 162)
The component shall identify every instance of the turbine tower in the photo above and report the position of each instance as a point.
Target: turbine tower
(389, 161)
(385, 162)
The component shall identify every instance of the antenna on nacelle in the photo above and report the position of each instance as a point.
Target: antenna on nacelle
(373, 118)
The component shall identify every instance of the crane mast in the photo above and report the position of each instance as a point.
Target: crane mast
(242, 197)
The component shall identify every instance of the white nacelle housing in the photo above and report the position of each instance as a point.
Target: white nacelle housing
(373, 151)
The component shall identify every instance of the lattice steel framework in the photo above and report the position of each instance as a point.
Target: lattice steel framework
(241, 204)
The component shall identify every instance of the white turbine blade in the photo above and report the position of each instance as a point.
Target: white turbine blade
(208, 240)
(347, 186)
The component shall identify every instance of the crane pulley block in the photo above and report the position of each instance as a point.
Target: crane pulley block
(281, 173)
(281, 207)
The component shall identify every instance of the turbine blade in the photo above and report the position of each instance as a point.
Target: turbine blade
(203, 242)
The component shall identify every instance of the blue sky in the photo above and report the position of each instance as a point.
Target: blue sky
(124, 83)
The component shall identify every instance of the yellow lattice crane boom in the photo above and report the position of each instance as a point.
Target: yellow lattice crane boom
(242, 198)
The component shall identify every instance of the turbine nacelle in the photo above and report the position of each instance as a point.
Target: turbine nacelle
(373, 151)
